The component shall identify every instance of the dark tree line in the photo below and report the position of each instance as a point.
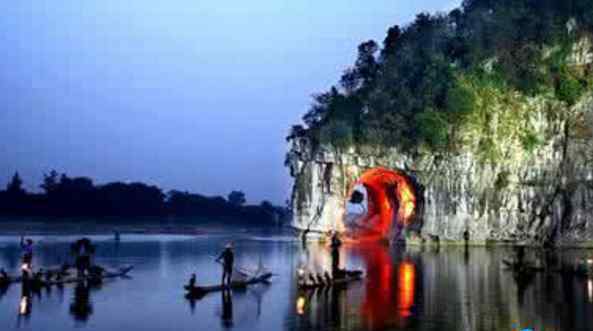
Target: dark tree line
(72, 197)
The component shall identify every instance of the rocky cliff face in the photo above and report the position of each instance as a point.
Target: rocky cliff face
(540, 196)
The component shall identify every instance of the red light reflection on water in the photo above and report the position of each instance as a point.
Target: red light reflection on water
(406, 288)
(390, 289)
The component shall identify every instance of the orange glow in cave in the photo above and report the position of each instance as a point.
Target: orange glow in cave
(389, 193)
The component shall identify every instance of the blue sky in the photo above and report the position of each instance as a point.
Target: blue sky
(193, 95)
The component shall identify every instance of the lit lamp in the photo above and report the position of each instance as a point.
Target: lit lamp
(300, 305)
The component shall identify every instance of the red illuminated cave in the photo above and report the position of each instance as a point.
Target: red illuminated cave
(391, 204)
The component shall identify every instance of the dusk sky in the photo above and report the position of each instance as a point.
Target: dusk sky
(186, 94)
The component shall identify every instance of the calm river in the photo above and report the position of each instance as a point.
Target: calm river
(406, 289)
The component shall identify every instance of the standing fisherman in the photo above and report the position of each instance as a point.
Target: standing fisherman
(336, 243)
(27, 248)
(83, 249)
(4, 279)
(228, 259)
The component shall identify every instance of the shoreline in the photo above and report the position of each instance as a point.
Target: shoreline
(318, 236)
(93, 228)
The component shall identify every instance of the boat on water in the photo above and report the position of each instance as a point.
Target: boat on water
(348, 278)
(195, 292)
(121, 272)
(67, 277)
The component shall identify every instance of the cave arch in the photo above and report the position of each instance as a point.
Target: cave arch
(392, 200)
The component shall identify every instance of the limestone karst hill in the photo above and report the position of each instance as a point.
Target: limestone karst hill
(486, 110)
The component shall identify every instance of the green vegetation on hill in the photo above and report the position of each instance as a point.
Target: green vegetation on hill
(444, 76)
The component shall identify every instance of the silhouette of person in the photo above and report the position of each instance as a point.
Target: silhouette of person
(3, 290)
(27, 248)
(336, 243)
(228, 258)
(192, 281)
(466, 236)
(83, 251)
(4, 279)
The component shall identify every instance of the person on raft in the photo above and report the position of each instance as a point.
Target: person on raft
(27, 248)
(192, 281)
(83, 250)
(227, 257)
(4, 279)
(336, 243)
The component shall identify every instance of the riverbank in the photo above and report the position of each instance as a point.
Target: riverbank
(33, 226)
(416, 241)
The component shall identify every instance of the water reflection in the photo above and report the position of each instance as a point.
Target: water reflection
(227, 309)
(25, 305)
(322, 308)
(81, 307)
(390, 291)
(406, 288)
(454, 289)
(385, 298)
(448, 289)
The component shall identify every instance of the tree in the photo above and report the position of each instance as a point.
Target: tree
(15, 187)
(321, 107)
(295, 132)
(391, 40)
(362, 77)
(267, 205)
(50, 182)
(237, 198)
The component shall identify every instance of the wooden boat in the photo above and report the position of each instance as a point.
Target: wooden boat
(199, 291)
(350, 277)
(121, 272)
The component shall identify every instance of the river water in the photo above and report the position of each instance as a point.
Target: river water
(405, 289)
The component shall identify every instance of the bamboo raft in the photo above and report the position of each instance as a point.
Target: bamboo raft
(68, 280)
(350, 277)
(121, 272)
(14, 279)
(194, 292)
